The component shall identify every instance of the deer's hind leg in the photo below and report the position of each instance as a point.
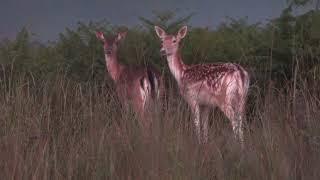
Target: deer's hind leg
(195, 108)
(232, 109)
(205, 110)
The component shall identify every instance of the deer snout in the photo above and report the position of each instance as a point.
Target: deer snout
(162, 52)
(108, 51)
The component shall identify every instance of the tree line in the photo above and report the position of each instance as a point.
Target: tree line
(271, 51)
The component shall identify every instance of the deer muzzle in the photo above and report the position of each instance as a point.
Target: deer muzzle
(108, 51)
(163, 52)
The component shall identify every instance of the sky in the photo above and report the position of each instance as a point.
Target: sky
(47, 18)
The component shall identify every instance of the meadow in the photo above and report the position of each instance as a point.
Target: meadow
(59, 129)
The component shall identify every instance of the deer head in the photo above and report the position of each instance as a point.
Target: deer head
(170, 43)
(110, 45)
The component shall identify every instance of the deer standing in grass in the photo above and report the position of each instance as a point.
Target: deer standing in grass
(206, 86)
(137, 86)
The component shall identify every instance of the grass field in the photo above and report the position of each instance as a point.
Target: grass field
(60, 129)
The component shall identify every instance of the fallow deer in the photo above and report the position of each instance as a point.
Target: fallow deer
(136, 86)
(206, 86)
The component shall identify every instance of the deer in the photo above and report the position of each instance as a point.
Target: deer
(135, 86)
(205, 86)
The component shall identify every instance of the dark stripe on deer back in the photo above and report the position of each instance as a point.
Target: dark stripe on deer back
(152, 78)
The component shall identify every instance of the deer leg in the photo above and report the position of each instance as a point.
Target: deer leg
(237, 127)
(241, 138)
(240, 119)
(196, 113)
(205, 119)
(236, 122)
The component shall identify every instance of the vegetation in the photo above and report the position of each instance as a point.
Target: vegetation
(60, 118)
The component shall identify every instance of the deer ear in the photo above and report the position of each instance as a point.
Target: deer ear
(182, 32)
(160, 32)
(100, 36)
(121, 35)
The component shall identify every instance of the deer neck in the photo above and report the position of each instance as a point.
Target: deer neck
(114, 68)
(176, 66)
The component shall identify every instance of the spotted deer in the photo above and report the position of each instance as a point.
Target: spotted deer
(205, 86)
(135, 86)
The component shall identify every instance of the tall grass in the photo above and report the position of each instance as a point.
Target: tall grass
(60, 129)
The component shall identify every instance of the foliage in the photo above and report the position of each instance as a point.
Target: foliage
(268, 51)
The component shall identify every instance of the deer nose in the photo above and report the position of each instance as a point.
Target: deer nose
(108, 51)
(162, 52)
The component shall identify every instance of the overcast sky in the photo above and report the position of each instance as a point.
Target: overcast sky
(47, 18)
